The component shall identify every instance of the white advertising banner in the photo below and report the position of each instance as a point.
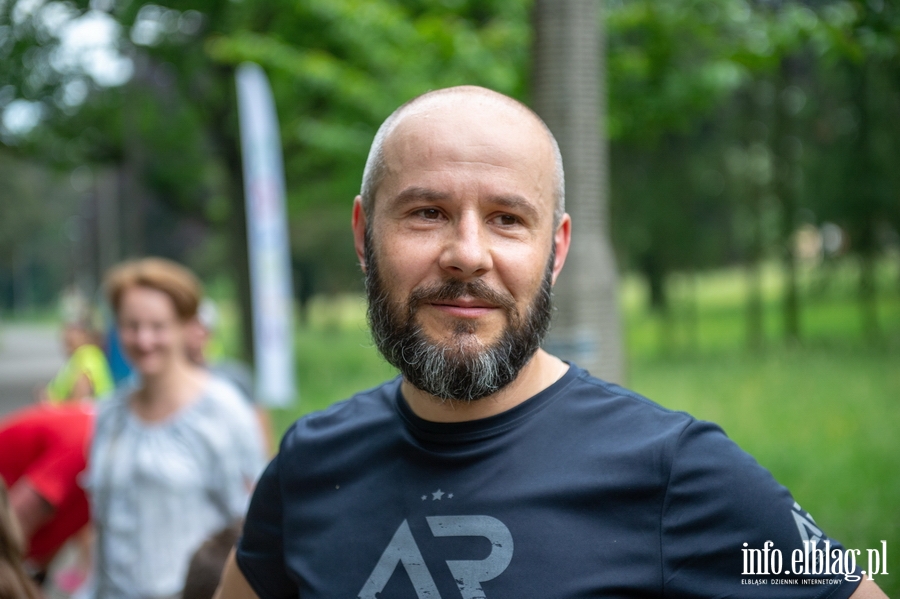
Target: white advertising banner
(267, 238)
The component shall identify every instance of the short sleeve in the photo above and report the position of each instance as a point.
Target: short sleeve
(230, 488)
(92, 362)
(237, 462)
(251, 448)
(248, 447)
(63, 434)
(720, 502)
(260, 551)
(54, 475)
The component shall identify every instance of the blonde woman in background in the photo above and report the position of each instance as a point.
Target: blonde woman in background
(174, 457)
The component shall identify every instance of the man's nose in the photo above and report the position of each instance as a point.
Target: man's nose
(466, 252)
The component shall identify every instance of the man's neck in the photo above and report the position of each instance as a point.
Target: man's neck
(539, 373)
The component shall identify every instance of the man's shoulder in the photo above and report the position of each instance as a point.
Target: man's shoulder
(614, 404)
(347, 419)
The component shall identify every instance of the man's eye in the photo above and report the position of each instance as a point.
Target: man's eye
(429, 213)
(507, 220)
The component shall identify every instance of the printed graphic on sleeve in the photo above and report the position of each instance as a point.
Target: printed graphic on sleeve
(809, 532)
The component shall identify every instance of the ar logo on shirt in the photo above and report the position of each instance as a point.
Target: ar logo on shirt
(468, 574)
(806, 526)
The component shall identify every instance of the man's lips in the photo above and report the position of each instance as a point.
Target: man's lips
(464, 308)
(461, 300)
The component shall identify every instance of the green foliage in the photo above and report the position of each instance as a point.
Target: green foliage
(733, 123)
(670, 63)
(38, 227)
(338, 68)
(692, 165)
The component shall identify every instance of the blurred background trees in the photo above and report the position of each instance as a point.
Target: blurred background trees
(742, 133)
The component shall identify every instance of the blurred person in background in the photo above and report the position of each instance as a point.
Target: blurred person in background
(175, 454)
(200, 341)
(43, 452)
(14, 581)
(86, 373)
(118, 364)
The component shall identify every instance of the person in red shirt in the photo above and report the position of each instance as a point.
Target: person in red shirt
(43, 450)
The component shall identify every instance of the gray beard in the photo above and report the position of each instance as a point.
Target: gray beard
(462, 369)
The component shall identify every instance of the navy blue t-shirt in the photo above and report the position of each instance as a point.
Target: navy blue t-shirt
(584, 490)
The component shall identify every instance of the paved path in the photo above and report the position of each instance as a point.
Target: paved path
(30, 354)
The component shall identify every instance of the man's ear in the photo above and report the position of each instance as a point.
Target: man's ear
(359, 231)
(561, 240)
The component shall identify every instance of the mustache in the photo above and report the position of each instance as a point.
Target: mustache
(455, 289)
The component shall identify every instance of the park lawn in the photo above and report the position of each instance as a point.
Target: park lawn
(822, 415)
(823, 421)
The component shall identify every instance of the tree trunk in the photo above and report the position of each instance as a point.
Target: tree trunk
(569, 92)
(868, 298)
(693, 313)
(133, 162)
(754, 276)
(655, 273)
(866, 203)
(750, 188)
(787, 181)
(754, 307)
(106, 189)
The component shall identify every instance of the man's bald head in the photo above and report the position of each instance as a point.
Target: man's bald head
(375, 170)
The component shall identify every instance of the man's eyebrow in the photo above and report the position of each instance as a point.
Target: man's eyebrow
(516, 202)
(418, 194)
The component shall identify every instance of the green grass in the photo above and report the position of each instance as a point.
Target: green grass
(823, 421)
(822, 415)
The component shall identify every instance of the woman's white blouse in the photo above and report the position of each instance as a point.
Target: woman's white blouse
(158, 490)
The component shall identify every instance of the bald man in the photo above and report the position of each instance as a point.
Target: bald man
(490, 468)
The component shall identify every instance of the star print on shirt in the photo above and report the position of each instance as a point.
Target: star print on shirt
(424, 497)
(436, 496)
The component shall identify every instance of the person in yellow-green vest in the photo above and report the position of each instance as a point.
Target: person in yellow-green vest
(86, 374)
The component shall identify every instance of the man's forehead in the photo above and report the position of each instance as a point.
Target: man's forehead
(470, 128)
(472, 105)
